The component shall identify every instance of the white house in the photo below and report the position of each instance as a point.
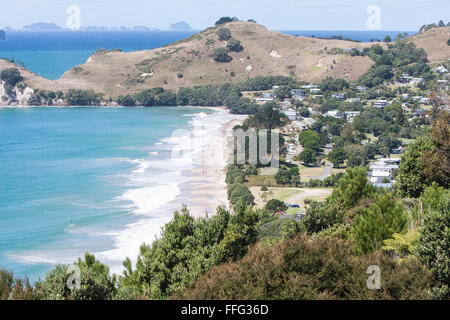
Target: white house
(380, 103)
(440, 70)
(266, 96)
(335, 114)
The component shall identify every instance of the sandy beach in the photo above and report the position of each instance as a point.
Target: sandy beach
(206, 189)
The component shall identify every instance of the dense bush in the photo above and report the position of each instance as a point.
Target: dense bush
(301, 268)
(95, 281)
(82, 98)
(434, 245)
(224, 34)
(234, 45)
(221, 55)
(275, 205)
(11, 76)
(187, 248)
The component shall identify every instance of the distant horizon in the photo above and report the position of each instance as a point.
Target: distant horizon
(349, 15)
(153, 29)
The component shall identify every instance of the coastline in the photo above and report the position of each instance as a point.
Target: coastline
(201, 186)
(206, 188)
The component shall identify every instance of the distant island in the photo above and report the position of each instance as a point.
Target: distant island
(2, 35)
(42, 26)
(180, 26)
(52, 27)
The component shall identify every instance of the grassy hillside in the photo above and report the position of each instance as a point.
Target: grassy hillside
(434, 41)
(190, 62)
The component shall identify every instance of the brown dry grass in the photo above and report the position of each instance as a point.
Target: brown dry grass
(116, 73)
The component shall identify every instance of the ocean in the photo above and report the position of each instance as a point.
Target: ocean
(96, 179)
(50, 54)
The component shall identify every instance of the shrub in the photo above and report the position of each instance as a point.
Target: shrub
(434, 247)
(221, 55)
(300, 268)
(127, 101)
(223, 20)
(275, 205)
(11, 76)
(234, 45)
(224, 34)
(82, 97)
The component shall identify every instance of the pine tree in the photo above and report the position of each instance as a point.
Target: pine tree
(379, 222)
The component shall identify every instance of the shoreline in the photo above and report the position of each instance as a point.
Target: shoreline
(206, 188)
(202, 187)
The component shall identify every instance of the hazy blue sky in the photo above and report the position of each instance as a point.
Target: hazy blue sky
(274, 14)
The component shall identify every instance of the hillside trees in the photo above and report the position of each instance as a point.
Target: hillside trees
(188, 248)
(434, 246)
(11, 76)
(379, 222)
(337, 156)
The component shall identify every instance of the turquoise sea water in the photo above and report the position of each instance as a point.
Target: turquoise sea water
(71, 179)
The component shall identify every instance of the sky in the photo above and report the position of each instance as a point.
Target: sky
(404, 15)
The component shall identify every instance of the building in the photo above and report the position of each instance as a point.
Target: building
(314, 90)
(416, 80)
(380, 103)
(380, 174)
(335, 114)
(440, 70)
(424, 100)
(266, 96)
(290, 113)
(420, 113)
(309, 86)
(303, 124)
(361, 88)
(354, 100)
(298, 94)
(352, 114)
(338, 96)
